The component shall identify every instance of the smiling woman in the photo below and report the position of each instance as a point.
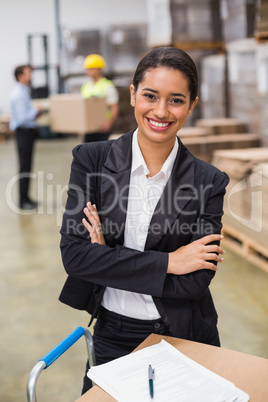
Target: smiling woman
(152, 220)
(164, 93)
(162, 104)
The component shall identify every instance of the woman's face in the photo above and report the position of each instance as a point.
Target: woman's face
(162, 104)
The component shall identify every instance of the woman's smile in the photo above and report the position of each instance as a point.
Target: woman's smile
(158, 125)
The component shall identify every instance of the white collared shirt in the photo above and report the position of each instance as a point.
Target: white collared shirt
(144, 194)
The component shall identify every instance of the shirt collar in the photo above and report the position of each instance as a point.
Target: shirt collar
(138, 160)
(22, 86)
(137, 157)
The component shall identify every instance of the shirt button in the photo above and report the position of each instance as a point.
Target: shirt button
(157, 325)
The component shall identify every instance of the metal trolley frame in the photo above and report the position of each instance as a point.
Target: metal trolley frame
(55, 353)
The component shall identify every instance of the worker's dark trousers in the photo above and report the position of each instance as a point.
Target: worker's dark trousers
(25, 138)
(116, 336)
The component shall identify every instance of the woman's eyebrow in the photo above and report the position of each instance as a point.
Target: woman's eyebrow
(156, 92)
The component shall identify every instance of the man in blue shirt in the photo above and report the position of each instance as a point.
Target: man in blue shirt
(22, 121)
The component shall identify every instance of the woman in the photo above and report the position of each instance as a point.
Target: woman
(147, 249)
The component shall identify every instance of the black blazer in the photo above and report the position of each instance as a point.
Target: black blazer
(189, 208)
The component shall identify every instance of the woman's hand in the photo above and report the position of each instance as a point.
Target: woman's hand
(94, 224)
(195, 256)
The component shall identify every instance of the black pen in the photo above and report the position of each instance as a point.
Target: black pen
(151, 376)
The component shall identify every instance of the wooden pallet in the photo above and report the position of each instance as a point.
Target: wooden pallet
(200, 45)
(245, 246)
(261, 36)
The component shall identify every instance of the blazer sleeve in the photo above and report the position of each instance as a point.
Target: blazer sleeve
(193, 285)
(118, 267)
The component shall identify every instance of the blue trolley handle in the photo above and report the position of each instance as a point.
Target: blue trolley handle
(55, 353)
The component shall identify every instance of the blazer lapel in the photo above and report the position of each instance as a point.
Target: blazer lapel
(178, 192)
(115, 180)
(115, 188)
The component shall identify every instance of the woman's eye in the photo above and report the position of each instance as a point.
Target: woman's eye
(149, 96)
(176, 101)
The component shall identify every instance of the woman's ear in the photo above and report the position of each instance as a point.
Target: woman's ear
(132, 95)
(192, 106)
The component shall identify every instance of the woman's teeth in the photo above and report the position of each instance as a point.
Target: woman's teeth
(155, 123)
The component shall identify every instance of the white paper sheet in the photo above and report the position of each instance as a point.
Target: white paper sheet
(177, 378)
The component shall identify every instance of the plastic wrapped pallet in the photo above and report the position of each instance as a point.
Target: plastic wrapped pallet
(195, 20)
(126, 120)
(127, 44)
(262, 88)
(197, 55)
(241, 59)
(238, 19)
(213, 88)
(76, 45)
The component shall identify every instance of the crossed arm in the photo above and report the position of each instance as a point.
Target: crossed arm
(199, 254)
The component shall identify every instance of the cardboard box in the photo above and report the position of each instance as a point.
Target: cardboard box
(74, 114)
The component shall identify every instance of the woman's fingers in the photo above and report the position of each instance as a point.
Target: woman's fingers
(87, 226)
(214, 249)
(93, 210)
(210, 265)
(91, 213)
(197, 255)
(93, 225)
(209, 239)
(213, 257)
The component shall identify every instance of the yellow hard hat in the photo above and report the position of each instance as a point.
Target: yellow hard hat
(94, 61)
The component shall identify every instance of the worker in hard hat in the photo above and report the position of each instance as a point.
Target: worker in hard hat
(101, 87)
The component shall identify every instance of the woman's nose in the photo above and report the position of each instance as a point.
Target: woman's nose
(161, 109)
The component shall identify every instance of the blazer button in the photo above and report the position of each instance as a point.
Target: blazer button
(157, 325)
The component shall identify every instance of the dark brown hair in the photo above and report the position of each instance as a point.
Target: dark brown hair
(169, 57)
(20, 70)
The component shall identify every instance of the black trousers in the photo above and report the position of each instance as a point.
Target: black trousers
(116, 336)
(25, 138)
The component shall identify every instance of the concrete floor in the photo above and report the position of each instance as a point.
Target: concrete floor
(33, 321)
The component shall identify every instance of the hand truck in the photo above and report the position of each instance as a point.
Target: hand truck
(55, 353)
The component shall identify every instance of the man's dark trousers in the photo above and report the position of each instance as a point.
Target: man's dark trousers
(25, 138)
